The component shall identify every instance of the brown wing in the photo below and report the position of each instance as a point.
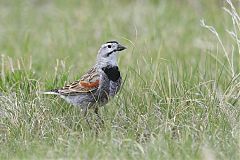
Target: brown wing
(88, 83)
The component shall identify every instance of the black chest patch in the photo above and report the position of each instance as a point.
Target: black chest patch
(112, 72)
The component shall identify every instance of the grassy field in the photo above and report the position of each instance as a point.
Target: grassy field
(180, 99)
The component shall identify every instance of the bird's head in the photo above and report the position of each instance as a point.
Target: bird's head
(107, 54)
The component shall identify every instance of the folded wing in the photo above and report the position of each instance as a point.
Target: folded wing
(88, 83)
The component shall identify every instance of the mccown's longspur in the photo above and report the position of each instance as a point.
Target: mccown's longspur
(99, 84)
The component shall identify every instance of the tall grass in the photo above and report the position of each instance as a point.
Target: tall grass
(232, 50)
(181, 90)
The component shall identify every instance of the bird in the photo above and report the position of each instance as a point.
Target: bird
(99, 84)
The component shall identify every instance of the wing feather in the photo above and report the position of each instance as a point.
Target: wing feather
(89, 82)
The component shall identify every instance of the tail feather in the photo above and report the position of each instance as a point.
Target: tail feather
(53, 92)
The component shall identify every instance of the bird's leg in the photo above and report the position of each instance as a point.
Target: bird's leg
(98, 115)
(85, 114)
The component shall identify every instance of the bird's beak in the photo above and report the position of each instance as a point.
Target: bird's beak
(120, 47)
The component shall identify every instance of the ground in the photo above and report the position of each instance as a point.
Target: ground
(181, 79)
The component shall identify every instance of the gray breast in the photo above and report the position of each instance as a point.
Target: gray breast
(115, 86)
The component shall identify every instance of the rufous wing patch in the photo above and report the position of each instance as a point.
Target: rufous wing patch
(90, 84)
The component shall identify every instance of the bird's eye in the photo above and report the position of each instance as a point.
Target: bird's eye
(109, 46)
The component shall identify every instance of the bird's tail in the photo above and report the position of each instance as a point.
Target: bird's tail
(52, 92)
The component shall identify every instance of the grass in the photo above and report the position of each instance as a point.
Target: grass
(181, 90)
